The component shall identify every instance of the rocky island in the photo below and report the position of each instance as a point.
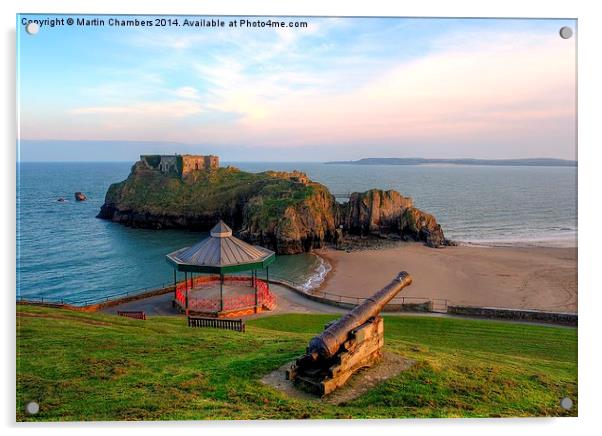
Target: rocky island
(283, 211)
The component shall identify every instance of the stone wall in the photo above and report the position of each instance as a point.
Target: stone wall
(189, 163)
(168, 164)
(211, 162)
(408, 307)
(192, 163)
(564, 318)
(165, 164)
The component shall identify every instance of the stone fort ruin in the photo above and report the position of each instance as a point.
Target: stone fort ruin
(182, 165)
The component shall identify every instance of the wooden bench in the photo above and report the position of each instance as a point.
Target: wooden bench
(216, 323)
(132, 314)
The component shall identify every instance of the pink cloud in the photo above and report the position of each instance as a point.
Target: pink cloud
(512, 88)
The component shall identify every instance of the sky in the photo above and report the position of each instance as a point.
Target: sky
(338, 89)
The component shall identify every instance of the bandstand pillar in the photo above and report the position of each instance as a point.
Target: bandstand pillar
(221, 292)
(255, 286)
(175, 284)
(267, 276)
(186, 281)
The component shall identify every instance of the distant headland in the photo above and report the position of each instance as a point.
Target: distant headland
(532, 162)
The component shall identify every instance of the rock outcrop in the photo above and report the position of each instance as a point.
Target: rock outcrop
(420, 226)
(388, 213)
(374, 212)
(286, 212)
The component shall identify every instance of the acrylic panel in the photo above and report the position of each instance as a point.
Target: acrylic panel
(295, 217)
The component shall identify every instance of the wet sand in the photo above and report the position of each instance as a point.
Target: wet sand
(511, 277)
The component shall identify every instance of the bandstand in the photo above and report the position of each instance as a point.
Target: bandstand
(213, 285)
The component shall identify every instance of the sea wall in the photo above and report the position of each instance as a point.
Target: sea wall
(349, 304)
(95, 307)
(563, 318)
(408, 307)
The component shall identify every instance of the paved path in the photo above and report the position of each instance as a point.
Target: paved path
(288, 301)
(157, 305)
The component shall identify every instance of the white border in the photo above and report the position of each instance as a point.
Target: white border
(590, 159)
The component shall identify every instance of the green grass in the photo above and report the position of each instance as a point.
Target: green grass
(207, 192)
(82, 366)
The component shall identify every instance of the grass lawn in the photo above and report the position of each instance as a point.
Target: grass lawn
(92, 366)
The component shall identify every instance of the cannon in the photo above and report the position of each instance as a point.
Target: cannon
(352, 342)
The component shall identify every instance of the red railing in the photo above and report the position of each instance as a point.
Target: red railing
(264, 297)
(239, 302)
(180, 296)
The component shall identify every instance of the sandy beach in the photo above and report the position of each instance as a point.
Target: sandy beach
(511, 277)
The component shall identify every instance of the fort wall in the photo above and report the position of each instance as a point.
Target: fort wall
(183, 165)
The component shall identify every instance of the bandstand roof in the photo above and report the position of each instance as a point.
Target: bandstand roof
(220, 253)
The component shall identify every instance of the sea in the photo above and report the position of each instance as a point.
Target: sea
(66, 254)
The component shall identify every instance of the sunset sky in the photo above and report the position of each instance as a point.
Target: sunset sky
(342, 88)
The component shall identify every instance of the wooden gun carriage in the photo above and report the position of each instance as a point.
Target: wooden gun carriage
(353, 342)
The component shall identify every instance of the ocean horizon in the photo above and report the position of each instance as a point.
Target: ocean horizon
(65, 253)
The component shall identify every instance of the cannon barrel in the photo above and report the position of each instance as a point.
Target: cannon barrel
(330, 340)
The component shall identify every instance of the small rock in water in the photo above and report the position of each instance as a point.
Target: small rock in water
(80, 196)
(61, 199)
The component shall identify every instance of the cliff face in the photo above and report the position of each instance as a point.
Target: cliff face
(385, 213)
(285, 212)
(374, 212)
(296, 228)
(420, 226)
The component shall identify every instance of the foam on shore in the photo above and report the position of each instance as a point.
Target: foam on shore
(319, 274)
(567, 240)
